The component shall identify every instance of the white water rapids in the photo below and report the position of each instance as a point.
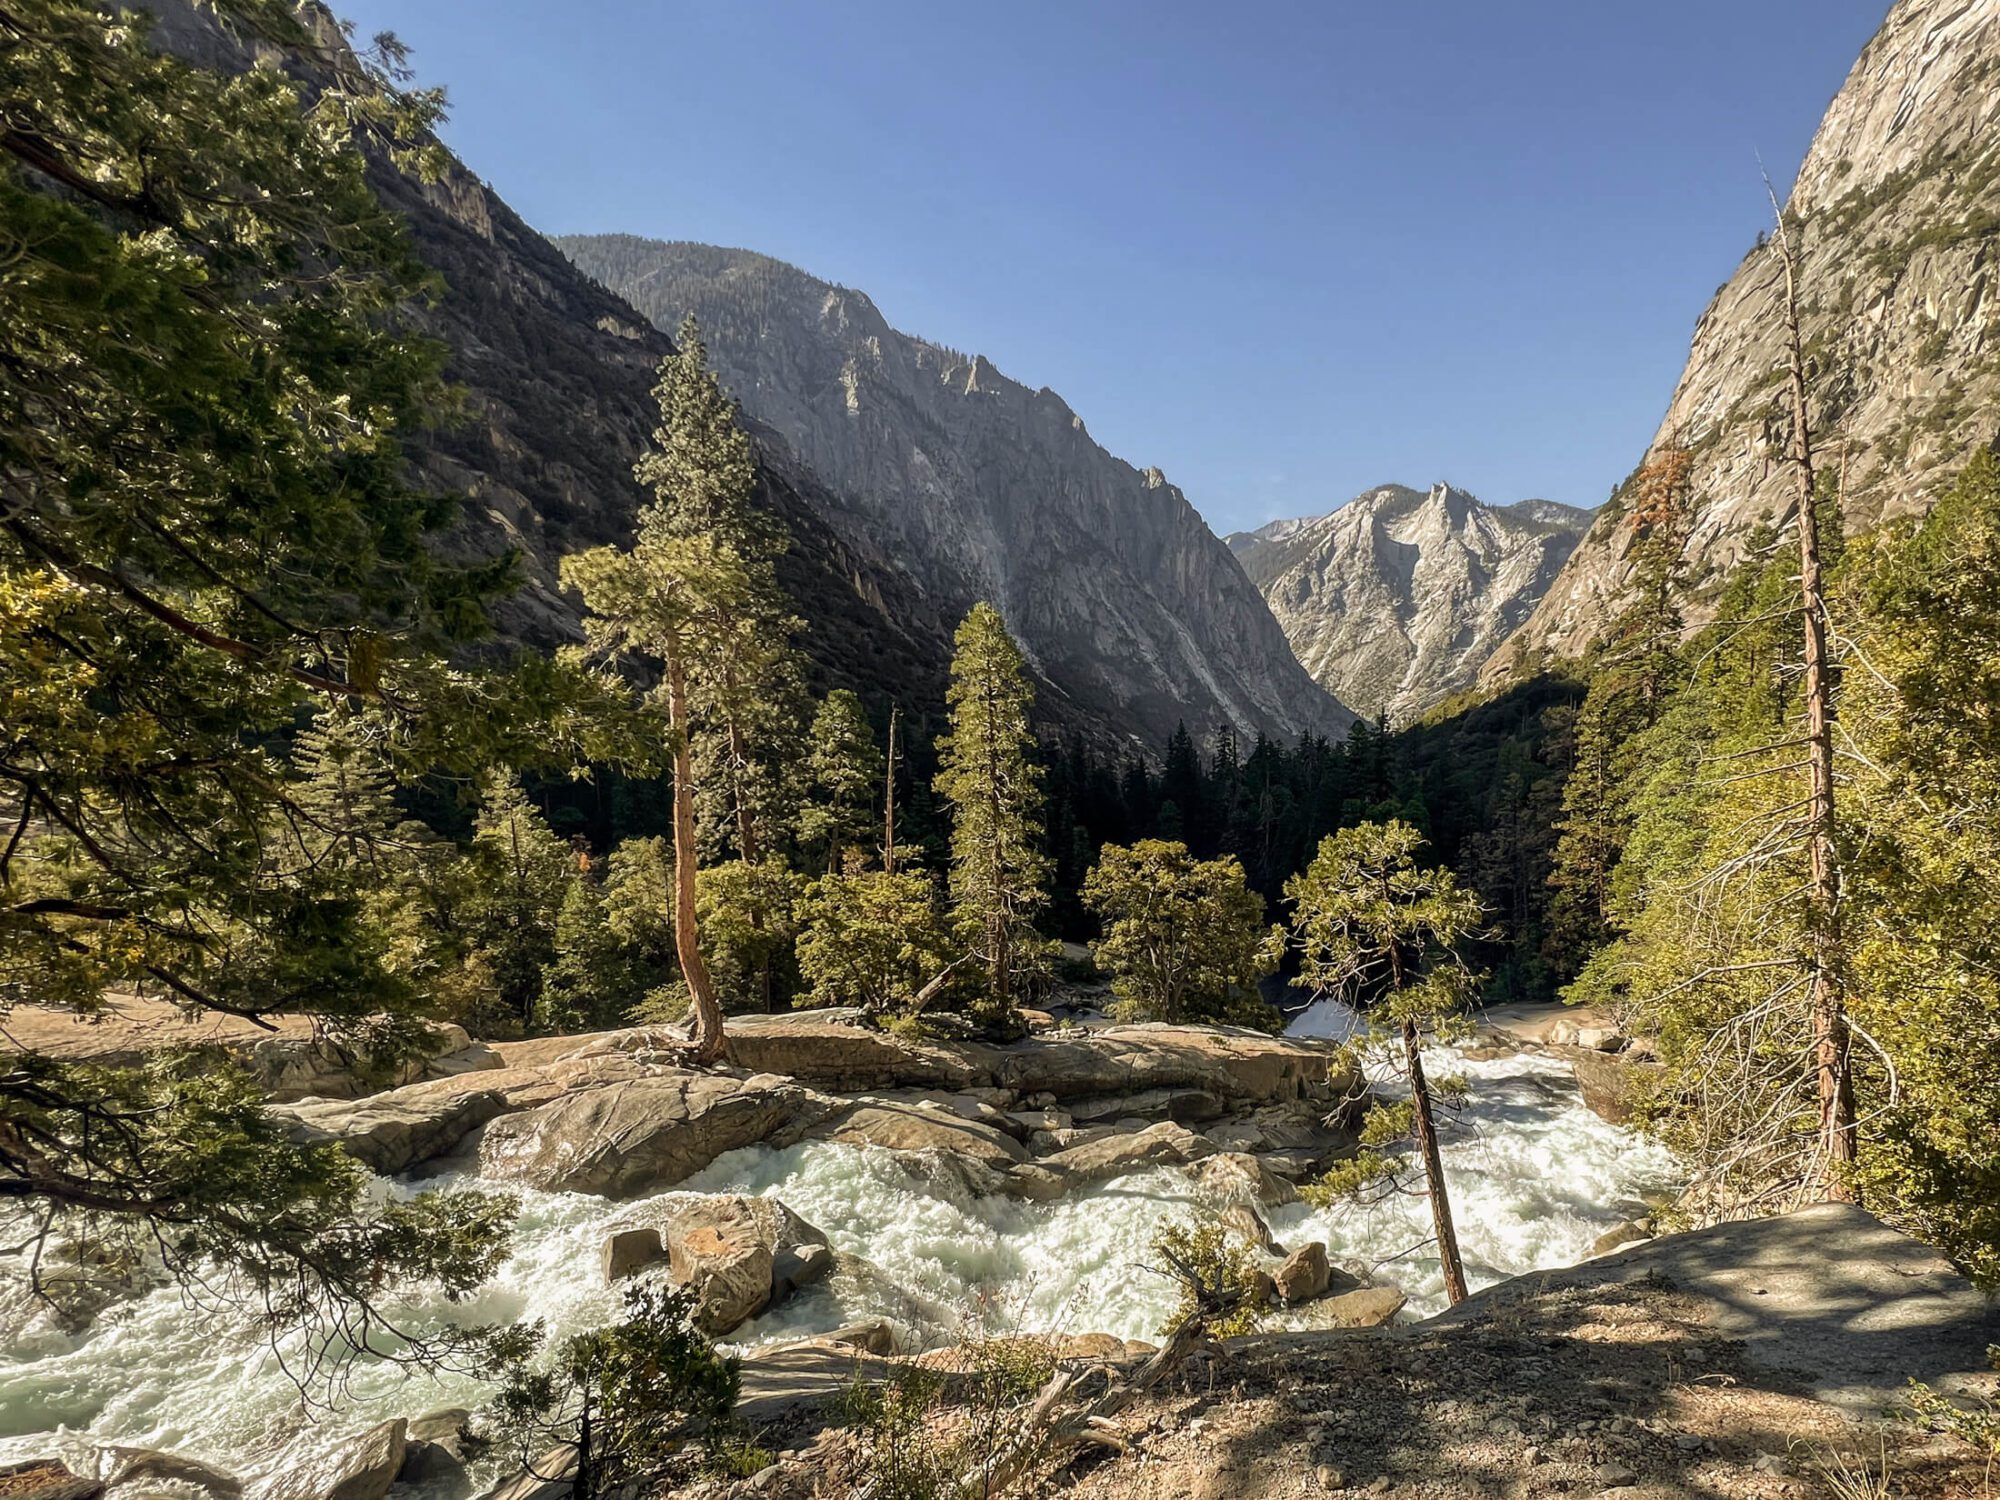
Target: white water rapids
(1534, 1176)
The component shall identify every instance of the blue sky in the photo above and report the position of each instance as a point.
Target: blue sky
(1284, 251)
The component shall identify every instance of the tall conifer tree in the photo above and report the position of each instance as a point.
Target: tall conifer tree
(988, 775)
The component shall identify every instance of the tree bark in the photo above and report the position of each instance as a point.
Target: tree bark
(889, 801)
(710, 1041)
(1427, 1147)
(1831, 1058)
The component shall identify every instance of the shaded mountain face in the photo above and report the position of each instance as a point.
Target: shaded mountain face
(1897, 212)
(1127, 605)
(1396, 600)
(555, 376)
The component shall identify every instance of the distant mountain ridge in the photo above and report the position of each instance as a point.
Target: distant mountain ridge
(1398, 599)
(979, 487)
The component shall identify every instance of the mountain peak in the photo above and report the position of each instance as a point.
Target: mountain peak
(1398, 598)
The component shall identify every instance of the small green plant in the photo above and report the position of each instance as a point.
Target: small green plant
(940, 1431)
(1226, 1268)
(737, 1455)
(627, 1399)
(1976, 1426)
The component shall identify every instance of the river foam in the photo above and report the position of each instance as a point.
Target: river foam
(1534, 1177)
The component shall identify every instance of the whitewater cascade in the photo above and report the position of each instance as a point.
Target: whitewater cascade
(1535, 1178)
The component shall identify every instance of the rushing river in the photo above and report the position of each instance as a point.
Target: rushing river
(1535, 1177)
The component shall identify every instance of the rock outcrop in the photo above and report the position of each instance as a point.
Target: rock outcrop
(1398, 599)
(361, 1467)
(626, 1139)
(740, 1256)
(1121, 597)
(1897, 213)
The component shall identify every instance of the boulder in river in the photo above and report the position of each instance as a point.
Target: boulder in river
(394, 1131)
(150, 1474)
(47, 1479)
(913, 1127)
(1238, 1176)
(1366, 1307)
(1304, 1274)
(361, 1467)
(630, 1251)
(1610, 1085)
(627, 1139)
(1163, 1145)
(741, 1255)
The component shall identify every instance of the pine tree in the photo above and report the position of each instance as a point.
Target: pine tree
(619, 1403)
(845, 771)
(1375, 929)
(697, 592)
(523, 870)
(987, 773)
(345, 809)
(592, 981)
(207, 528)
(1184, 939)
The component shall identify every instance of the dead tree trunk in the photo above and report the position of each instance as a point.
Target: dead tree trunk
(1427, 1148)
(1827, 956)
(889, 801)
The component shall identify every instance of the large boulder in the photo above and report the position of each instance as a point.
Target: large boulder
(1236, 1066)
(1305, 1274)
(831, 1049)
(1163, 1145)
(149, 1474)
(1612, 1086)
(631, 1251)
(1367, 1307)
(905, 1127)
(740, 1256)
(623, 1140)
(1193, 1070)
(361, 1467)
(547, 1478)
(1238, 1177)
(397, 1130)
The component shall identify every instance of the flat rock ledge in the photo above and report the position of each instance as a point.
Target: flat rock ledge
(615, 1114)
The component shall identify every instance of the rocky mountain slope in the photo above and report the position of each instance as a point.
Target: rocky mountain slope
(1897, 209)
(983, 488)
(1397, 599)
(555, 376)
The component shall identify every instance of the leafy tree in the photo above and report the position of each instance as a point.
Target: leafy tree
(520, 873)
(205, 528)
(875, 939)
(639, 903)
(625, 1400)
(1184, 939)
(593, 980)
(1375, 929)
(844, 768)
(988, 775)
(748, 916)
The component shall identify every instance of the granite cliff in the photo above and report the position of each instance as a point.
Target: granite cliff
(1398, 598)
(1125, 602)
(1896, 210)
